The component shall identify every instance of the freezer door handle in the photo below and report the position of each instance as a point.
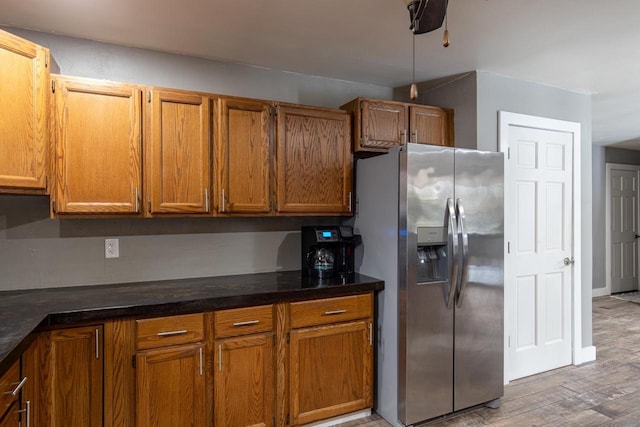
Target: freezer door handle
(453, 260)
(462, 225)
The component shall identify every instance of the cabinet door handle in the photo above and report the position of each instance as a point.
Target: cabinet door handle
(172, 333)
(415, 136)
(137, 208)
(97, 343)
(247, 323)
(349, 201)
(16, 390)
(206, 200)
(27, 412)
(222, 206)
(201, 361)
(404, 136)
(331, 312)
(219, 357)
(370, 333)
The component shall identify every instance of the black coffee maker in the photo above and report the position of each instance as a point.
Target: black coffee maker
(327, 250)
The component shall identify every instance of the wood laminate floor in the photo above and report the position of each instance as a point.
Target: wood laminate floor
(601, 393)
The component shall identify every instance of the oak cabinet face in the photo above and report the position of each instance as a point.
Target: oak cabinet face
(178, 152)
(170, 387)
(244, 381)
(381, 125)
(314, 161)
(243, 156)
(73, 377)
(330, 371)
(98, 143)
(24, 77)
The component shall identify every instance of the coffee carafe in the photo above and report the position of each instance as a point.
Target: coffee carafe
(321, 261)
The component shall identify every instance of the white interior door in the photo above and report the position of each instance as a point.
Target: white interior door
(623, 227)
(539, 231)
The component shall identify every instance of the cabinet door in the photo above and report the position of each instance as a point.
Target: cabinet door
(330, 371)
(73, 377)
(170, 387)
(430, 125)
(24, 78)
(244, 381)
(97, 147)
(178, 160)
(383, 124)
(314, 161)
(243, 156)
(12, 417)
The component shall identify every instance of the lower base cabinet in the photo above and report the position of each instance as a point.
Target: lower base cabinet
(12, 417)
(243, 386)
(330, 371)
(170, 387)
(72, 377)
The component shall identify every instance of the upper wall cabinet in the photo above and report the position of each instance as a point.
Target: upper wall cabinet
(243, 156)
(177, 152)
(381, 125)
(24, 77)
(314, 161)
(97, 147)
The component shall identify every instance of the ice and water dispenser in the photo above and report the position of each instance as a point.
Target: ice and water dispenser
(432, 255)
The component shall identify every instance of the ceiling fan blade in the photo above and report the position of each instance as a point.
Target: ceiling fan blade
(430, 16)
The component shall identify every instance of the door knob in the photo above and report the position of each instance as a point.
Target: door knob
(569, 261)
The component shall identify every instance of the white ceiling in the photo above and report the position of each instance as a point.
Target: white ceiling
(590, 46)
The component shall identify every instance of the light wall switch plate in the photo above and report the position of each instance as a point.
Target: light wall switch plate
(111, 248)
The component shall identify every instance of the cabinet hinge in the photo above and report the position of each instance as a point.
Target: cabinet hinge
(46, 181)
(508, 247)
(273, 339)
(287, 419)
(53, 206)
(288, 337)
(46, 61)
(509, 153)
(148, 96)
(275, 206)
(149, 206)
(133, 361)
(53, 86)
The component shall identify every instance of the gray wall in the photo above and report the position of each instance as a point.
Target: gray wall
(496, 93)
(599, 204)
(602, 156)
(37, 252)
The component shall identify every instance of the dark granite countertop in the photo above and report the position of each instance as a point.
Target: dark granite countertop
(22, 312)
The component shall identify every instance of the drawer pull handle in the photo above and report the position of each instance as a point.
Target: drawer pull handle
(19, 386)
(335, 312)
(247, 323)
(172, 333)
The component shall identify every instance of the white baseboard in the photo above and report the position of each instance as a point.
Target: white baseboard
(600, 292)
(341, 419)
(588, 354)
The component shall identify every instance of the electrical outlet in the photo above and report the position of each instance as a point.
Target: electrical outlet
(111, 248)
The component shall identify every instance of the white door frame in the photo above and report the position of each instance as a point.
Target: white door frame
(505, 121)
(607, 269)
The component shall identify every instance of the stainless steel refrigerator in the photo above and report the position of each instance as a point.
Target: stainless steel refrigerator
(431, 220)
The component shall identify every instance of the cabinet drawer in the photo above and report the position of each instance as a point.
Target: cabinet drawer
(243, 321)
(164, 331)
(330, 310)
(10, 385)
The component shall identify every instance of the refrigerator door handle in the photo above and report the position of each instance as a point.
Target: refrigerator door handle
(453, 261)
(462, 224)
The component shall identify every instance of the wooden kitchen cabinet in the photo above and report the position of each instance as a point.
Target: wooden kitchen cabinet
(314, 161)
(243, 156)
(177, 152)
(380, 125)
(12, 417)
(170, 371)
(9, 394)
(72, 377)
(244, 367)
(330, 358)
(431, 125)
(24, 80)
(97, 147)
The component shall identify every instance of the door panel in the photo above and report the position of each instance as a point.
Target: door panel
(624, 227)
(539, 283)
(178, 159)
(479, 314)
(425, 387)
